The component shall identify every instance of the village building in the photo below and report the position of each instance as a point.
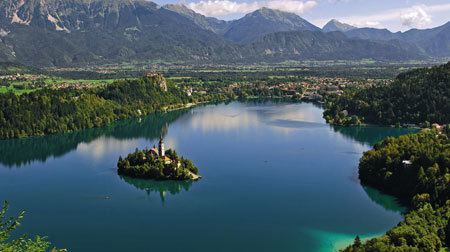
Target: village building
(406, 163)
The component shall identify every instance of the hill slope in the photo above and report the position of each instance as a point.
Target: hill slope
(296, 45)
(415, 97)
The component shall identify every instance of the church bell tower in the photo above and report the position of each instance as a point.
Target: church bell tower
(162, 152)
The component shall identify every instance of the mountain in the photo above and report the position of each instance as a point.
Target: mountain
(435, 41)
(249, 28)
(65, 33)
(334, 25)
(208, 23)
(255, 25)
(297, 45)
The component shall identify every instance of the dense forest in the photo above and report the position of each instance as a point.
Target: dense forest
(49, 111)
(414, 168)
(415, 97)
(427, 171)
(145, 164)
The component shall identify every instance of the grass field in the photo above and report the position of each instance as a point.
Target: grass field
(93, 82)
(52, 81)
(16, 91)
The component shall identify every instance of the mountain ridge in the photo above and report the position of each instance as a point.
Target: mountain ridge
(71, 33)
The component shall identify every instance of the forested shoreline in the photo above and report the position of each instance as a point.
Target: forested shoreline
(415, 168)
(49, 111)
(415, 97)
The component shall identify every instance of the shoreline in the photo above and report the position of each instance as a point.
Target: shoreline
(333, 242)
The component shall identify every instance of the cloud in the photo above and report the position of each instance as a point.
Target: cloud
(417, 17)
(338, 1)
(298, 7)
(225, 7)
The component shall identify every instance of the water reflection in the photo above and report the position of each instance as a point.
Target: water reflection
(249, 114)
(370, 134)
(389, 203)
(159, 187)
(18, 152)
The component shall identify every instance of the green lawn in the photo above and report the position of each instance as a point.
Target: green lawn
(16, 91)
(93, 82)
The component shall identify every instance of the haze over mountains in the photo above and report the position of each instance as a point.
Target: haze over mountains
(74, 32)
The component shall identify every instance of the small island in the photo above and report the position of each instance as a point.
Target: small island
(157, 164)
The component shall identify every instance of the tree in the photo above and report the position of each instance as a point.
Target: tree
(357, 243)
(21, 244)
(447, 235)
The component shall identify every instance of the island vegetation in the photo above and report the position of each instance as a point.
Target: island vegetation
(415, 168)
(158, 165)
(20, 244)
(417, 97)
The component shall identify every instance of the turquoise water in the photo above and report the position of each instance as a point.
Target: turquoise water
(276, 177)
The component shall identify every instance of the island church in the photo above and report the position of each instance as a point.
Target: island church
(161, 152)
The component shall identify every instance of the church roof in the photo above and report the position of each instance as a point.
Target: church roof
(154, 151)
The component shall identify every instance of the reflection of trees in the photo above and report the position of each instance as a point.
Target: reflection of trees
(159, 187)
(389, 203)
(371, 135)
(22, 151)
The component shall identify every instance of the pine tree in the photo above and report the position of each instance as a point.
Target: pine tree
(357, 243)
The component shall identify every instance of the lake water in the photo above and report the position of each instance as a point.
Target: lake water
(276, 177)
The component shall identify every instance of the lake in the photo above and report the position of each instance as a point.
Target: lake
(276, 177)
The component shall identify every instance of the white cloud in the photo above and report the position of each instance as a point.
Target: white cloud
(298, 7)
(373, 24)
(338, 1)
(224, 7)
(417, 17)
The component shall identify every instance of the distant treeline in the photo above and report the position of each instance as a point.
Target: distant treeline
(49, 111)
(290, 74)
(229, 74)
(415, 97)
(414, 168)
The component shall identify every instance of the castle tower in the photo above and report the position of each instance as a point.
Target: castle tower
(162, 152)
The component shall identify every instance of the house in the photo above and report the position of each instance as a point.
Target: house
(437, 126)
(406, 163)
(289, 91)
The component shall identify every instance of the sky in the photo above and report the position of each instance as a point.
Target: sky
(395, 15)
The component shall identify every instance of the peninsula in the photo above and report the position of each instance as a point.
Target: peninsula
(157, 164)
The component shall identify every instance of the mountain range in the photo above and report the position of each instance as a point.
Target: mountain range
(85, 32)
